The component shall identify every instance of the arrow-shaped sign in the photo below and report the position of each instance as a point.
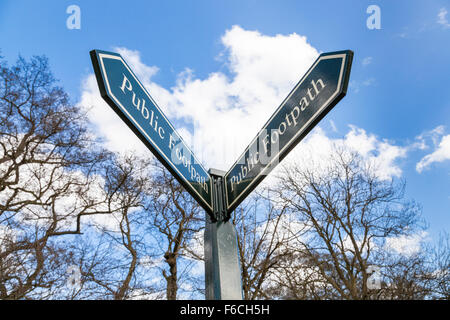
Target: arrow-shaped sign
(312, 98)
(127, 96)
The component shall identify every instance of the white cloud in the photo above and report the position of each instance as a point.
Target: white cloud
(442, 18)
(406, 245)
(368, 82)
(366, 61)
(440, 154)
(356, 86)
(333, 126)
(422, 140)
(316, 151)
(357, 139)
(142, 71)
(402, 35)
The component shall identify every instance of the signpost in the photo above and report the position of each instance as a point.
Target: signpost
(320, 89)
(219, 193)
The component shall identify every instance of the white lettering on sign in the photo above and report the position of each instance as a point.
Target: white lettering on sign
(140, 105)
(178, 155)
(272, 139)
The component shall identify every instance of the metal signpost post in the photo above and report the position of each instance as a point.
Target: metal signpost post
(219, 193)
(222, 269)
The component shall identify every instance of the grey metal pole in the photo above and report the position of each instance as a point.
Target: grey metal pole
(222, 267)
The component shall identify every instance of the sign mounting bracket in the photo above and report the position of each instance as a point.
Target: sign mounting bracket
(219, 198)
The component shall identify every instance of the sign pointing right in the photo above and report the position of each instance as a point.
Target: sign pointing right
(320, 89)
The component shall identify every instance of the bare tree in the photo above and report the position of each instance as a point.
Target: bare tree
(440, 268)
(48, 166)
(427, 274)
(262, 239)
(54, 179)
(348, 213)
(112, 272)
(176, 218)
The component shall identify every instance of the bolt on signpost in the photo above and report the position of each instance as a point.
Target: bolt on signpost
(219, 193)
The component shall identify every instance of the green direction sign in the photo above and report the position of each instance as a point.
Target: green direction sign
(127, 96)
(312, 98)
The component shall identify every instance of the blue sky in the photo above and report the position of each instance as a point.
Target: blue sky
(398, 100)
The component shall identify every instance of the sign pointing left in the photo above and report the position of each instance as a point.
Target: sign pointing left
(126, 95)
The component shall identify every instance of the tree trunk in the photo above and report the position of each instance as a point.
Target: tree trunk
(172, 286)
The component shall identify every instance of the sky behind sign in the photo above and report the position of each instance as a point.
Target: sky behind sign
(219, 69)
